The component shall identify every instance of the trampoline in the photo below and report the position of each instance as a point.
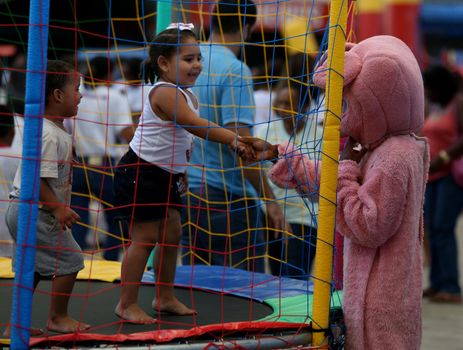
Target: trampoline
(231, 304)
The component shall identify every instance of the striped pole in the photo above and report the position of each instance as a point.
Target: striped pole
(30, 179)
(329, 171)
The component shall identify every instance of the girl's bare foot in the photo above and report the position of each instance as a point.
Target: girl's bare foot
(172, 306)
(66, 324)
(133, 314)
(35, 332)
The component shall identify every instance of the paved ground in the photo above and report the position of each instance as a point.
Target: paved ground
(443, 324)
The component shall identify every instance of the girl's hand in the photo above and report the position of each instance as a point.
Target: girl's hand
(65, 216)
(353, 151)
(263, 150)
(244, 150)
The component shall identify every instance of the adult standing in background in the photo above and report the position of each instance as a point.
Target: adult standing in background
(101, 131)
(443, 128)
(131, 85)
(222, 214)
(9, 162)
(292, 255)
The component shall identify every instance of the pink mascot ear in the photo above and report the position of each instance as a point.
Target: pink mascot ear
(352, 67)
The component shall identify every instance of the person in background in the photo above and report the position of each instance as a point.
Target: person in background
(222, 217)
(444, 198)
(16, 86)
(292, 255)
(263, 95)
(101, 131)
(132, 86)
(266, 65)
(9, 161)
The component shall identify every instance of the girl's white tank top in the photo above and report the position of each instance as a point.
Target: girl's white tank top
(160, 142)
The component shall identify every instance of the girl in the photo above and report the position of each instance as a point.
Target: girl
(149, 176)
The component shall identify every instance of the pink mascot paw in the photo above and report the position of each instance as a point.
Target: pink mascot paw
(296, 171)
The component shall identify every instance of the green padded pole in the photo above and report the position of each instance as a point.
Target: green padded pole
(164, 13)
(163, 19)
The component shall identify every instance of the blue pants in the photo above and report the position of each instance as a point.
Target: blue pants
(223, 233)
(99, 183)
(444, 201)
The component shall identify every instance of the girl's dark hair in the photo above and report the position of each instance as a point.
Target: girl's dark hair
(165, 44)
(230, 16)
(58, 73)
(442, 84)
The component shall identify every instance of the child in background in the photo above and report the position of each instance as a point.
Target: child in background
(150, 176)
(293, 255)
(58, 256)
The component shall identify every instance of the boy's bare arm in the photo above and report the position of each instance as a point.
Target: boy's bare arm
(46, 196)
(65, 215)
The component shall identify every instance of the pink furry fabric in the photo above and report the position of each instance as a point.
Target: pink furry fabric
(295, 170)
(380, 200)
(380, 208)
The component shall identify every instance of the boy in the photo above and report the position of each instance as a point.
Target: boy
(58, 256)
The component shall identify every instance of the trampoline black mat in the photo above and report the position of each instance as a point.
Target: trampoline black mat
(94, 302)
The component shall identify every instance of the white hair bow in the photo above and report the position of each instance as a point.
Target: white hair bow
(181, 26)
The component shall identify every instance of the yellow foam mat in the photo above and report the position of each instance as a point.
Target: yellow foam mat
(95, 269)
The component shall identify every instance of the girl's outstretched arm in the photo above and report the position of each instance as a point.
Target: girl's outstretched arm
(263, 150)
(170, 104)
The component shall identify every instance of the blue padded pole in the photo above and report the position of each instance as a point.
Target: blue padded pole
(30, 179)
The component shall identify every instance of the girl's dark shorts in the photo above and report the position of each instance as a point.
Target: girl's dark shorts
(143, 191)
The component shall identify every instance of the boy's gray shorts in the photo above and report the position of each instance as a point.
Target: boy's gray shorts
(57, 253)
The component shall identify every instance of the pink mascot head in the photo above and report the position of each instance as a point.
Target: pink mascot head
(383, 95)
(383, 90)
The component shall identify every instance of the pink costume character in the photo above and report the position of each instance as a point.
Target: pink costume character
(380, 199)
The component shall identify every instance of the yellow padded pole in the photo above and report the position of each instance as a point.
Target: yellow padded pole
(329, 170)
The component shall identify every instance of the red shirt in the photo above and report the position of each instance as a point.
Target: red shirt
(441, 130)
